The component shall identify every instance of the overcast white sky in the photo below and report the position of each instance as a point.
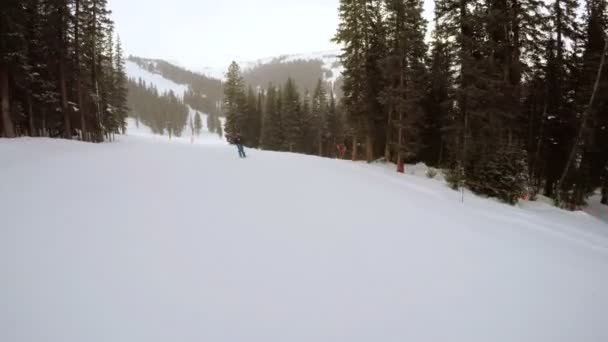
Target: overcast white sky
(199, 33)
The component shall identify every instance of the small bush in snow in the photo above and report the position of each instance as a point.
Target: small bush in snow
(431, 173)
(455, 176)
(504, 175)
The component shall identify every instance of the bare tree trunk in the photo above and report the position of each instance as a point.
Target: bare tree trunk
(539, 144)
(7, 122)
(30, 115)
(441, 147)
(465, 49)
(81, 109)
(43, 123)
(320, 145)
(400, 162)
(67, 126)
(369, 147)
(585, 115)
(387, 148)
(354, 151)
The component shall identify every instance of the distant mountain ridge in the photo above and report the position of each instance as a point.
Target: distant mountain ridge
(330, 60)
(305, 68)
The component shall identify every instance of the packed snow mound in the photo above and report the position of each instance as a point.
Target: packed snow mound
(152, 241)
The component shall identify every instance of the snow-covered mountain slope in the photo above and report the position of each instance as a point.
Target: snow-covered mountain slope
(148, 241)
(330, 59)
(134, 71)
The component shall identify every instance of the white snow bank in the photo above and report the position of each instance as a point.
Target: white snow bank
(149, 242)
(596, 208)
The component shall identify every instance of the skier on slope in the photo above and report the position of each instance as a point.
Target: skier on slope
(238, 141)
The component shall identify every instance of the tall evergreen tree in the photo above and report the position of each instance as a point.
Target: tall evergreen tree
(361, 32)
(12, 48)
(559, 120)
(198, 123)
(253, 119)
(319, 116)
(291, 117)
(307, 131)
(272, 134)
(234, 101)
(120, 88)
(51, 50)
(438, 103)
(405, 71)
(590, 145)
(212, 122)
(335, 125)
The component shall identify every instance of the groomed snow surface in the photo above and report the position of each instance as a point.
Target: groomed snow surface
(151, 240)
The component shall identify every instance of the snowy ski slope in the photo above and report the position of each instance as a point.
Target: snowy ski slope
(134, 71)
(146, 240)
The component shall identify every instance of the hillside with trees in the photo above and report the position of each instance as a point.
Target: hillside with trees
(279, 118)
(61, 70)
(164, 113)
(204, 94)
(509, 97)
(307, 72)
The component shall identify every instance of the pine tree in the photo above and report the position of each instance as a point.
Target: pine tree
(120, 88)
(405, 71)
(589, 146)
(58, 18)
(377, 115)
(110, 121)
(492, 43)
(31, 77)
(307, 139)
(559, 121)
(253, 119)
(161, 112)
(334, 125)
(198, 124)
(504, 176)
(604, 190)
(11, 57)
(291, 118)
(258, 121)
(47, 68)
(319, 116)
(234, 101)
(438, 103)
(219, 127)
(272, 134)
(352, 33)
(212, 123)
